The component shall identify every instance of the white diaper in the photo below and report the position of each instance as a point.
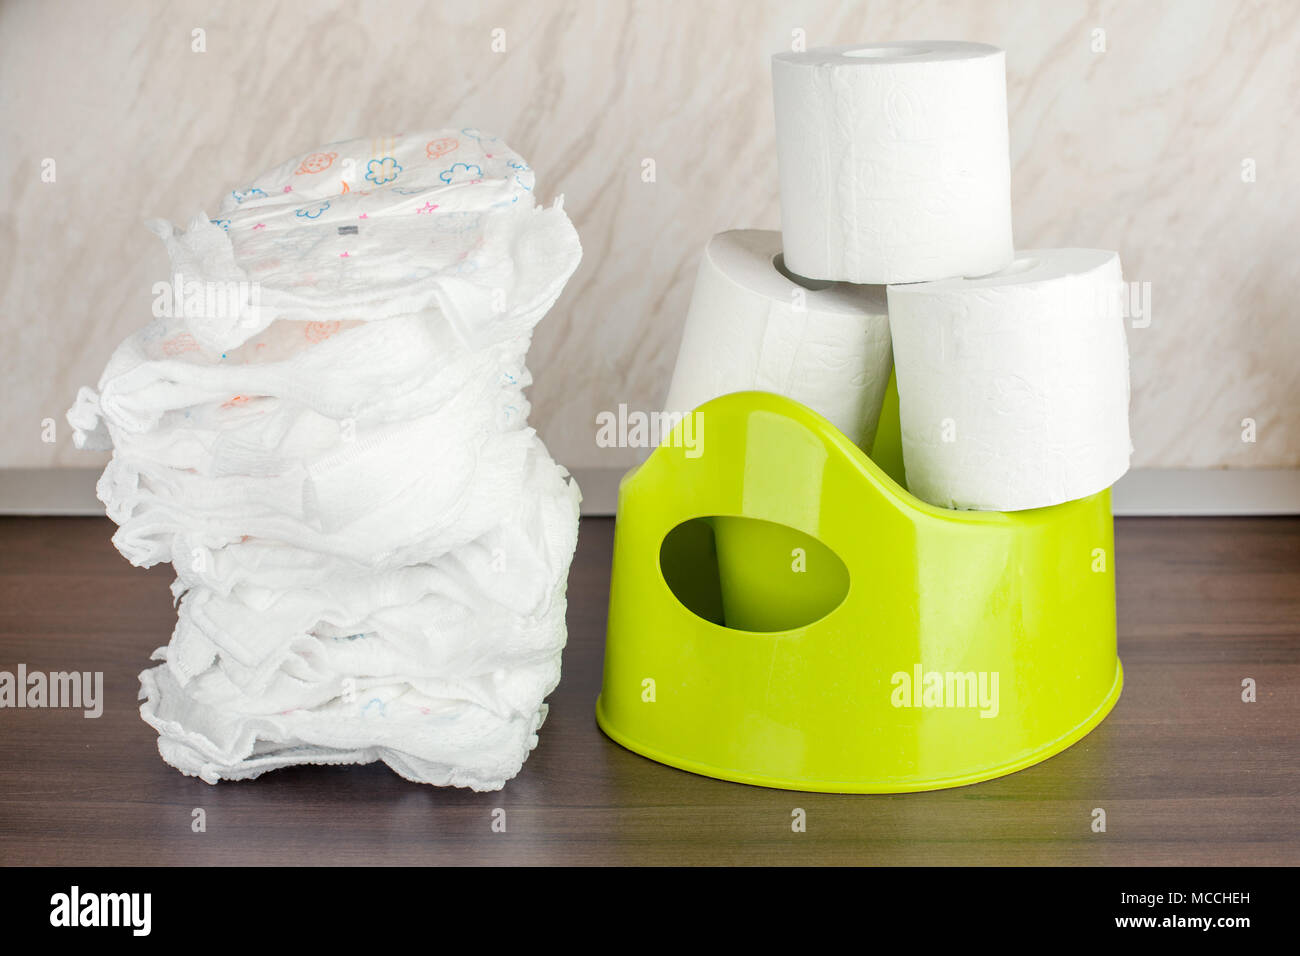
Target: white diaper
(369, 229)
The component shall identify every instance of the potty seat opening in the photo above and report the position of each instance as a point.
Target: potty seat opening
(750, 574)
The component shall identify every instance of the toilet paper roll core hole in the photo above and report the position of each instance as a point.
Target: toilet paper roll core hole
(812, 285)
(874, 52)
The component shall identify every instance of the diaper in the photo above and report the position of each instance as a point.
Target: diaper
(370, 229)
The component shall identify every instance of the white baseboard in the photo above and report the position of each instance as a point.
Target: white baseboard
(49, 491)
(1215, 491)
(1147, 491)
(1143, 492)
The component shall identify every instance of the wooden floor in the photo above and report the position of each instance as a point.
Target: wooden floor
(1187, 773)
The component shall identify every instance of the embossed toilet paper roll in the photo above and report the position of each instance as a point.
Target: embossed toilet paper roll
(893, 161)
(752, 325)
(1013, 388)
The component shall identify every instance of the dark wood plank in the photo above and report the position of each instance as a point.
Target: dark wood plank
(1186, 772)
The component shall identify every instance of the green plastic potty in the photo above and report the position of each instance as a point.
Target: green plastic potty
(784, 613)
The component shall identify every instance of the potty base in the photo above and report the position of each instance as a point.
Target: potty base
(872, 786)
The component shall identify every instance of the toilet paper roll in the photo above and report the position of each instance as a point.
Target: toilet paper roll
(893, 161)
(753, 325)
(1013, 388)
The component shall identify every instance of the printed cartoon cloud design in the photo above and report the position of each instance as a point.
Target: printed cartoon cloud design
(380, 171)
(312, 211)
(461, 173)
(412, 163)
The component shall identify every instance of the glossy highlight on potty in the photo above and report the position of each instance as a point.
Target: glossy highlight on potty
(784, 613)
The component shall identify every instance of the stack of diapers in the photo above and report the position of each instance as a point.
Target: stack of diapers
(895, 251)
(371, 546)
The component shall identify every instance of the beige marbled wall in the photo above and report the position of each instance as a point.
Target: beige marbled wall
(1138, 148)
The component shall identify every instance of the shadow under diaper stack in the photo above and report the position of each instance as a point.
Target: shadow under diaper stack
(862, 582)
(324, 430)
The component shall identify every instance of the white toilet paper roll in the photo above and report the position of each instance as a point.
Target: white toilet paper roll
(893, 161)
(1013, 388)
(753, 325)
